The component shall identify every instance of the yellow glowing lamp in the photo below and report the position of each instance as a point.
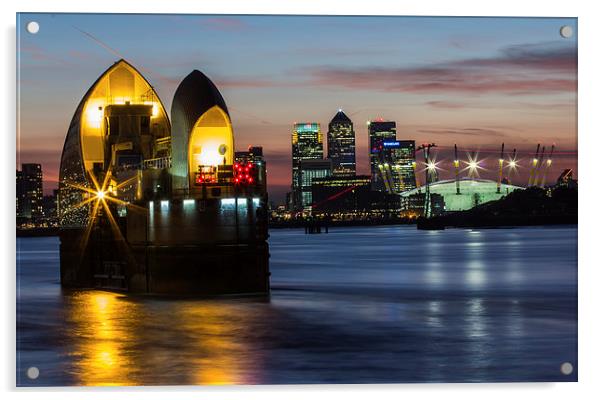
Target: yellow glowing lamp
(122, 100)
(208, 157)
(211, 142)
(94, 116)
(155, 110)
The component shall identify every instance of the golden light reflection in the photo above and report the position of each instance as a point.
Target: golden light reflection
(119, 341)
(223, 356)
(102, 332)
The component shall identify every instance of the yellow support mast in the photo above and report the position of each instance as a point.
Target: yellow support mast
(501, 171)
(539, 165)
(457, 168)
(547, 167)
(533, 166)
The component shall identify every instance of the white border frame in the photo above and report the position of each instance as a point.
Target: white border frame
(590, 132)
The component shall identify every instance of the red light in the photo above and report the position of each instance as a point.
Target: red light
(250, 180)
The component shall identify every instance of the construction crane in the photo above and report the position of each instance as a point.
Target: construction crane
(426, 149)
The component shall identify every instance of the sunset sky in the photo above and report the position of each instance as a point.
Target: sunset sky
(476, 82)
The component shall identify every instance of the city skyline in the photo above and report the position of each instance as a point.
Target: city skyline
(476, 82)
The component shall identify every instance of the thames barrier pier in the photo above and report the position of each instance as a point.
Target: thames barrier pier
(146, 206)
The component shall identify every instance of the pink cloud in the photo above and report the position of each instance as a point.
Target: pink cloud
(517, 70)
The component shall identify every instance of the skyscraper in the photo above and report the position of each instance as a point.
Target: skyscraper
(29, 191)
(378, 132)
(306, 145)
(396, 165)
(308, 171)
(341, 145)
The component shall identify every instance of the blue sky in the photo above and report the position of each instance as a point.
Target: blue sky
(472, 81)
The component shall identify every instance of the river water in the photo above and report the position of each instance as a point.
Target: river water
(356, 305)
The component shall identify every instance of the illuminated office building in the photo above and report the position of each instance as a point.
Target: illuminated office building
(307, 144)
(29, 192)
(396, 166)
(378, 132)
(341, 145)
(309, 170)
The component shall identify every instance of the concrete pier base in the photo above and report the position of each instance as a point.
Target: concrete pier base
(180, 251)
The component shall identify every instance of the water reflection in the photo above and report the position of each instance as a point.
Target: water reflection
(222, 353)
(101, 330)
(374, 304)
(433, 319)
(479, 345)
(434, 275)
(476, 275)
(119, 340)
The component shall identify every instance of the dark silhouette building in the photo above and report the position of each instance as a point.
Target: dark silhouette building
(253, 158)
(566, 179)
(353, 196)
(49, 209)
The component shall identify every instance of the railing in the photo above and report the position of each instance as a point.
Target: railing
(157, 163)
